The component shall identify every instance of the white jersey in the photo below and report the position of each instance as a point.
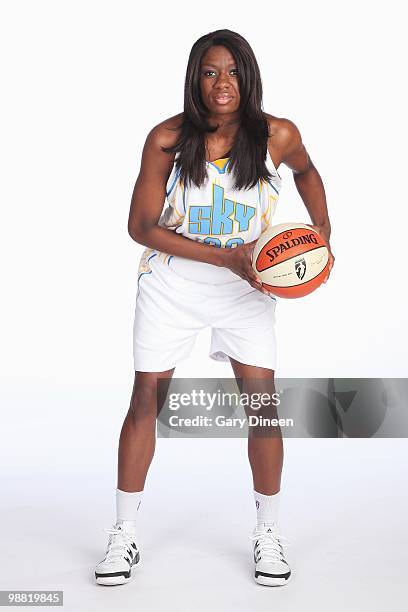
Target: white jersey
(214, 214)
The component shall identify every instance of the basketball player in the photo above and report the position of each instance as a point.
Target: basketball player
(216, 165)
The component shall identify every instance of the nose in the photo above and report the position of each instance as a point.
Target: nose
(223, 80)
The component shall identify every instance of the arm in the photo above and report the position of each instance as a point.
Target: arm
(307, 179)
(148, 199)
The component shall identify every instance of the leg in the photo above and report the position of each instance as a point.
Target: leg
(265, 451)
(138, 435)
(136, 449)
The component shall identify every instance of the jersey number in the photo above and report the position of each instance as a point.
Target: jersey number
(228, 245)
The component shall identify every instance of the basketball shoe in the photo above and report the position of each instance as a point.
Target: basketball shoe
(122, 554)
(271, 567)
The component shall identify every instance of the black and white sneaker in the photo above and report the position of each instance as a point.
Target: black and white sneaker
(121, 556)
(271, 567)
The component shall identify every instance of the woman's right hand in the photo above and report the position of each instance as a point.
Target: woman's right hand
(239, 260)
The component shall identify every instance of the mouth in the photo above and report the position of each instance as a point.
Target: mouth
(222, 99)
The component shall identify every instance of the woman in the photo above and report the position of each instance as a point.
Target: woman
(216, 163)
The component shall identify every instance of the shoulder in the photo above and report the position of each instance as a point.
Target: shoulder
(286, 145)
(156, 163)
(163, 135)
(166, 133)
(284, 135)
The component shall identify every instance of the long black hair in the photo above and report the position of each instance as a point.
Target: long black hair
(247, 157)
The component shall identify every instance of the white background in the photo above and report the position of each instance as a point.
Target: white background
(83, 84)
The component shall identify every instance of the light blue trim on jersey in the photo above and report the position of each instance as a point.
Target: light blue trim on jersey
(184, 197)
(220, 170)
(168, 261)
(173, 183)
(140, 275)
(269, 183)
(274, 188)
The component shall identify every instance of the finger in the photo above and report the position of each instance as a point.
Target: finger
(250, 250)
(250, 246)
(258, 286)
(253, 275)
(317, 229)
(253, 284)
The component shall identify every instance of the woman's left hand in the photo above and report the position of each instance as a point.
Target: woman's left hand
(325, 234)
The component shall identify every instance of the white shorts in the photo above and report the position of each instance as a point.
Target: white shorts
(171, 310)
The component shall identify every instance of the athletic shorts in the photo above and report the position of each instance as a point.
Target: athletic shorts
(171, 310)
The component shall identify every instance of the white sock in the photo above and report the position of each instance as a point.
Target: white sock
(267, 508)
(127, 505)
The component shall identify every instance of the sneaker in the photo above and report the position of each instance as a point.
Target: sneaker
(121, 556)
(271, 568)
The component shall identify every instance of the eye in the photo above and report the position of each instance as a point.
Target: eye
(206, 72)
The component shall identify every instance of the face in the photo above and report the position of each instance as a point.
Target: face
(219, 81)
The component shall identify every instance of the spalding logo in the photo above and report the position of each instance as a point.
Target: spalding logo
(289, 244)
(300, 268)
(286, 235)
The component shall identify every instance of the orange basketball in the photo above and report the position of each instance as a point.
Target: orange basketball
(291, 259)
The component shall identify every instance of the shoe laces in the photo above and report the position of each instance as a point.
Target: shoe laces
(269, 542)
(119, 543)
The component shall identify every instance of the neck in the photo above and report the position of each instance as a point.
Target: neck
(227, 126)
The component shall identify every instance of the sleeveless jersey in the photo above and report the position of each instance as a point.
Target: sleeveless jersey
(214, 214)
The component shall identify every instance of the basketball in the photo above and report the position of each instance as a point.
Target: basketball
(291, 259)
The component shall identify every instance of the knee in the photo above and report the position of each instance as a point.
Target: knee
(143, 403)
